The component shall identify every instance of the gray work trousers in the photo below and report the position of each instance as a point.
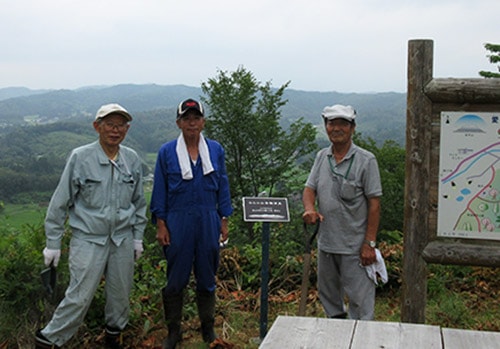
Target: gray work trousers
(342, 275)
(88, 262)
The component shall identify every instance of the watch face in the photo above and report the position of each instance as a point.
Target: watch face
(372, 244)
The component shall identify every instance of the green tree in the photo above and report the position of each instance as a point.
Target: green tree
(494, 57)
(391, 161)
(244, 116)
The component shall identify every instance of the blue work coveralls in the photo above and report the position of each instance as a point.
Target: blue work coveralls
(192, 210)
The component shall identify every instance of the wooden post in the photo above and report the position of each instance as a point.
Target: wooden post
(417, 177)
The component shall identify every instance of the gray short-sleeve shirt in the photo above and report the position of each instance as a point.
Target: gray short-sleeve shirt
(342, 192)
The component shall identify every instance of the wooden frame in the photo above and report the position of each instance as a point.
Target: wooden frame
(427, 97)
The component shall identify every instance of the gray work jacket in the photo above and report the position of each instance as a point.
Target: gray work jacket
(103, 199)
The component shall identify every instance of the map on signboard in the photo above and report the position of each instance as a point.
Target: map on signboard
(469, 176)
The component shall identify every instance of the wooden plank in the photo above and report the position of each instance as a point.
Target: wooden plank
(395, 335)
(472, 252)
(295, 332)
(464, 91)
(466, 339)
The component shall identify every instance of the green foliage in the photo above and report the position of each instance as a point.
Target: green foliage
(22, 295)
(464, 297)
(494, 57)
(241, 265)
(391, 160)
(260, 155)
(454, 292)
(244, 117)
(450, 310)
(149, 279)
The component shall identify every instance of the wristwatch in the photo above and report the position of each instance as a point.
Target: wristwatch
(372, 244)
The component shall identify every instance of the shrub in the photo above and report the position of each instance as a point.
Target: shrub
(21, 290)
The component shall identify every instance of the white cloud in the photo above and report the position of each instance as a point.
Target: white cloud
(343, 45)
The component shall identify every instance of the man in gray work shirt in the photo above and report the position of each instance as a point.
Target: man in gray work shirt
(345, 183)
(101, 191)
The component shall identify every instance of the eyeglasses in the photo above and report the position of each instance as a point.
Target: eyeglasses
(109, 126)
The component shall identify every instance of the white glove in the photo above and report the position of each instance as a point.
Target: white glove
(51, 257)
(223, 244)
(138, 248)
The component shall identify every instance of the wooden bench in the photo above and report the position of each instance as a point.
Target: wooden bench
(294, 332)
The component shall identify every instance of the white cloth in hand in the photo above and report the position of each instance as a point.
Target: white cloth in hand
(138, 249)
(51, 257)
(377, 268)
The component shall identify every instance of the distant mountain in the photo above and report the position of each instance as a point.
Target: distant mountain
(65, 104)
(381, 115)
(13, 92)
(39, 128)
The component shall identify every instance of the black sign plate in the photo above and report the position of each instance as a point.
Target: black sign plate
(261, 209)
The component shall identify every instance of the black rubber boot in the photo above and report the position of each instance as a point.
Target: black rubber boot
(113, 338)
(339, 316)
(43, 343)
(172, 305)
(206, 311)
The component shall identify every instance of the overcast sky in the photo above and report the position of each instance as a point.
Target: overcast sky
(318, 45)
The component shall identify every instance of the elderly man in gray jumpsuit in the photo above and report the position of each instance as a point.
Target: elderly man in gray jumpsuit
(101, 191)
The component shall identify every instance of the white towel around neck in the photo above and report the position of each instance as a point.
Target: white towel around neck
(185, 160)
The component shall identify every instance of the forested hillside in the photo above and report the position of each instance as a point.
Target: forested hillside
(381, 115)
(38, 128)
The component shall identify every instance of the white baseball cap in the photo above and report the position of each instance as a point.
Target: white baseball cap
(112, 108)
(339, 111)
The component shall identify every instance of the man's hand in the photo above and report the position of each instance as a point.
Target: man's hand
(138, 249)
(51, 257)
(224, 230)
(367, 255)
(311, 216)
(162, 234)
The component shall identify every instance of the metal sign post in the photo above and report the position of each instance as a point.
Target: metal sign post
(266, 210)
(264, 284)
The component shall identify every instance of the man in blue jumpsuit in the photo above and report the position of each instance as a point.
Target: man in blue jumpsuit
(190, 205)
(101, 191)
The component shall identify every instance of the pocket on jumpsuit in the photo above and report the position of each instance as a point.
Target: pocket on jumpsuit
(127, 188)
(91, 192)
